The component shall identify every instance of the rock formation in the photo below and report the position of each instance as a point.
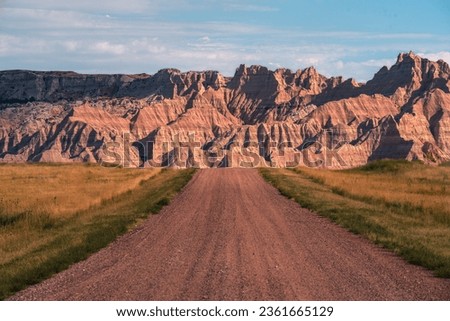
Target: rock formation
(258, 117)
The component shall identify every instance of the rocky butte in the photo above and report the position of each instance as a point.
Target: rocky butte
(258, 117)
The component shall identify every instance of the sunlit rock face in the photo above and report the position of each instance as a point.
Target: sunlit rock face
(258, 117)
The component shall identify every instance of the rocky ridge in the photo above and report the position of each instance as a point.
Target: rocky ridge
(258, 117)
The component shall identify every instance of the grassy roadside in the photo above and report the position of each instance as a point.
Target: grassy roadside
(60, 190)
(400, 206)
(37, 245)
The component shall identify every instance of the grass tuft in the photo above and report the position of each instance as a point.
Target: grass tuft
(6, 220)
(386, 166)
(445, 164)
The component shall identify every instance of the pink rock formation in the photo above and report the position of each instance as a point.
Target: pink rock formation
(257, 117)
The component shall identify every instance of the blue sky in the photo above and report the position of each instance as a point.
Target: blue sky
(343, 37)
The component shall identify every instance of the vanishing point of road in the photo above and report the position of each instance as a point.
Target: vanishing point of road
(231, 236)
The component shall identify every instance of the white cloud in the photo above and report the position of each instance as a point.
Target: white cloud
(36, 20)
(70, 46)
(7, 43)
(339, 64)
(309, 60)
(363, 70)
(11, 46)
(144, 45)
(126, 36)
(275, 65)
(249, 7)
(109, 48)
(379, 62)
(87, 6)
(444, 55)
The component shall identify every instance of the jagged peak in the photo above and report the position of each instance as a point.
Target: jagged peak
(204, 72)
(410, 71)
(352, 82)
(240, 69)
(258, 69)
(412, 61)
(405, 60)
(444, 66)
(310, 70)
(169, 71)
(403, 55)
(383, 69)
(252, 70)
(283, 71)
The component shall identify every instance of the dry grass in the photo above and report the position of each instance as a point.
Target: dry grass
(62, 190)
(402, 206)
(413, 186)
(88, 207)
(36, 197)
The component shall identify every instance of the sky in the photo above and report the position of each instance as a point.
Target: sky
(350, 38)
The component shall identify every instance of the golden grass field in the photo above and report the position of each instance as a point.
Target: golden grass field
(425, 187)
(403, 206)
(62, 190)
(52, 215)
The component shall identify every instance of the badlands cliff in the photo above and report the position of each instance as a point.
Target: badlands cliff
(258, 117)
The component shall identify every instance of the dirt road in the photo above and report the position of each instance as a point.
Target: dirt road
(230, 236)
